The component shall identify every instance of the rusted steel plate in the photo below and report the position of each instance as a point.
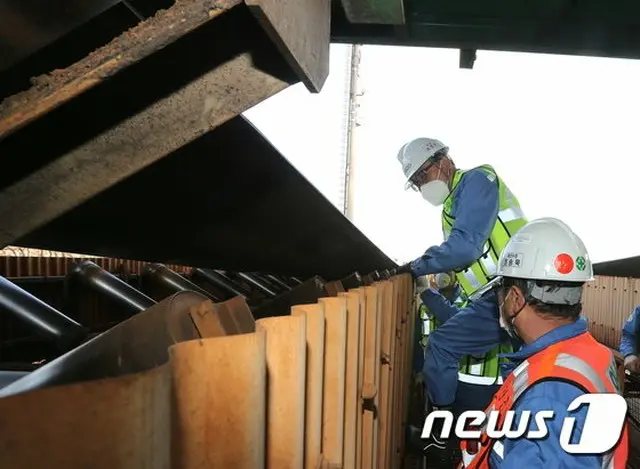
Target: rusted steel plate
(301, 29)
(30, 25)
(60, 86)
(162, 103)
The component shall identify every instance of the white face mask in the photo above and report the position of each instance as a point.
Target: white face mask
(435, 192)
(504, 324)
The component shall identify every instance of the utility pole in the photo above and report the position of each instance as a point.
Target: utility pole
(355, 93)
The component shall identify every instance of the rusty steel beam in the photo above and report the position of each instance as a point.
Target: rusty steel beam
(29, 25)
(155, 88)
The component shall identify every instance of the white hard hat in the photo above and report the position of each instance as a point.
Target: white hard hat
(546, 249)
(417, 152)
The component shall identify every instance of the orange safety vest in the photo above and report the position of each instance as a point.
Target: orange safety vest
(580, 360)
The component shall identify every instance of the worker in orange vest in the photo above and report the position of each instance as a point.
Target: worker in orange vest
(541, 274)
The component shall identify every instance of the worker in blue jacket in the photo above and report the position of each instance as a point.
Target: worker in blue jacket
(479, 216)
(629, 342)
(540, 302)
(444, 286)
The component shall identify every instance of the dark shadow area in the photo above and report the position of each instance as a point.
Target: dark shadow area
(228, 200)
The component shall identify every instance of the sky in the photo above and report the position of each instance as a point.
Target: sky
(559, 130)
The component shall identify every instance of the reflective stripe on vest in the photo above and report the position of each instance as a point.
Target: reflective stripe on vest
(580, 360)
(485, 369)
(510, 219)
(480, 380)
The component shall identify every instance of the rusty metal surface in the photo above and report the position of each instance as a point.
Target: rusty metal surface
(28, 25)
(607, 303)
(60, 86)
(167, 99)
(135, 345)
(60, 265)
(301, 31)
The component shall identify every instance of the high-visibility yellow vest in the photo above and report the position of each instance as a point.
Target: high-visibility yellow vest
(510, 219)
(481, 370)
(485, 370)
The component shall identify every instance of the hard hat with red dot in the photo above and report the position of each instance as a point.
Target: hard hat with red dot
(546, 249)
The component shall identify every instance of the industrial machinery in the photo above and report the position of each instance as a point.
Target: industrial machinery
(122, 137)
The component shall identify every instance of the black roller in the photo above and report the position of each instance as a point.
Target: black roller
(46, 321)
(110, 286)
(221, 281)
(269, 283)
(352, 281)
(308, 292)
(171, 282)
(258, 284)
(278, 282)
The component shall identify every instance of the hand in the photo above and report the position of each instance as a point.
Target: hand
(632, 363)
(405, 269)
(422, 284)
